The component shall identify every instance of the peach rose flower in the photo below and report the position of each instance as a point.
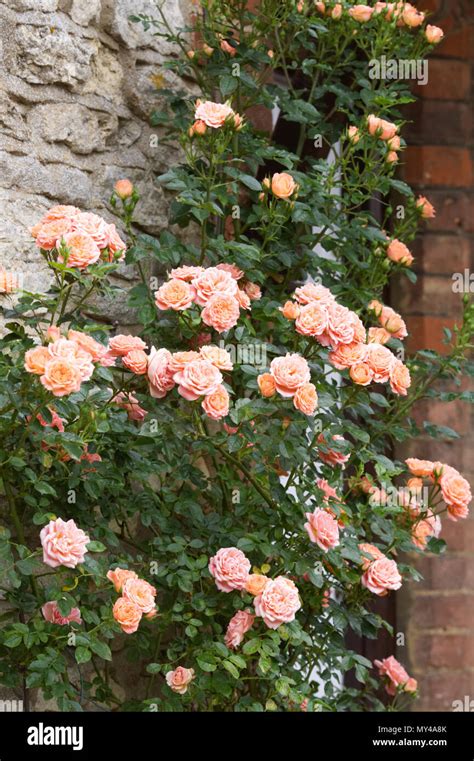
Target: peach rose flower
(243, 299)
(159, 373)
(332, 456)
(86, 343)
(312, 319)
(399, 253)
(378, 336)
(36, 359)
(456, 493)
(278, 602)
(420, 468)
(63, 543)
(118, 576)
(256, 583)
(140, 592)
(306, 399)
(123, 188)
(221, 312)
(198, 378)
(353, 134)
(289, 373)
(396, 676)
(283, 185)
(314, 293)
(51, 613)
(381, 128)
(427, 209)
(393, 323)
(213, 114)
(230, 569)
(266, 384)
(213, 280)
(411, 17)
(60, 211)
(232, 269)
(361, 373)
(127, 614)
(179, 679)
(322, 529)
(216, 405)
(63, 348)
(433, 34)
(187, 272)
(381, 361)
(82, 249)
(50, 233)
(343, 326)
(181, 358)
(400, 380)
(130, 404)
(336, 11)
(346, 355)
(290, 310)
(219, 357)
(121, 344)
(115, 244)
(175, 294)
(136, 361)
(372, 551)
(381, 576)
(93, 225)
(238, 626)
(61, 377)
(361, 12)
(253, 291)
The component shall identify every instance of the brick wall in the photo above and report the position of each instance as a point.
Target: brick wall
(437, 616)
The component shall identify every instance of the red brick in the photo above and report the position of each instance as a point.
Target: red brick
(460, 538)
(450, 123)
(446, 572)
(444, 650)
(427, 332)
(458, 43)
(453, 414)
(447, 80)
(431, 295)
(452, 611)
(439, 690)
(453, 211)
(442, 254)
(432, 165)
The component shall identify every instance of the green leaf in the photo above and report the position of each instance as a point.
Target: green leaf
(83, 654)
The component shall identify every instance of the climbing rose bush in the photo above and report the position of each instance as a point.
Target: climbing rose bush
(214, 501)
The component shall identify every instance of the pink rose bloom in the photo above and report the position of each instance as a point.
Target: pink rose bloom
(289, 373)
(306, 399)
(433, 34)
(213, 115)
(243, 299)
(322, 529)
(427, 209)
(381, 576)
(283, 185)
(278, 602)
(93, 225)
(221, 312)
(216, 405)
(253, 291)
(115, 243)
(61, 211)
(86, 343)
(219, 357)
(213, 280)
(175, 294)
(232, 269)
(372, 551)
(381, 361)
(56, 421)
(343, 326)
(159, 373)
(420, 468)
(51, 613)
(329, 491)
(50, 232)
(181, 358)
(82, 249)
(63, 543)
(238, 626)
(198, 378)
(396, 675)
(400, 380)
(179, 679)
(312, 293)
(127, 614)
(456, 493)
(130, 404)
(136, 361)
(118, 576)
(361, 12)
(378, 336)
(399, 253)
(312, 319)
(411, 17)
(381, 128)
(187, 272)
(63, 348)
(139, 592)
(393, 323)
(346, 355)
(332, 456)
(121, 344)
(230, 569)
(61, 377)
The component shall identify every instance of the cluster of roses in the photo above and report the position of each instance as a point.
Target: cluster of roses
(380, 574)
(404, 13)
(318, 315)
(215, 289)
(80, 238)
(290, 376)
(448, 483)
(276, 601)
(65, 363)
(383, 130)
(214, 115)
(137, 600)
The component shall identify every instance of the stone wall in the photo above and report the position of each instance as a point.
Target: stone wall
(76, 90)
